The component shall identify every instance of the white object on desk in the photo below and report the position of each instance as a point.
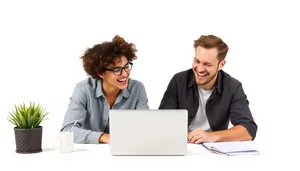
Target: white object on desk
(230, 148)
(148, 132)
(65, 142)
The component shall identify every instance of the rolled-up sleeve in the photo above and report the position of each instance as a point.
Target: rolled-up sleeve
(77, 112)
(240, 113)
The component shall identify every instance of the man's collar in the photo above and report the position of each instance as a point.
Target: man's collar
(219, 82)
(218, 85)
(191, 79)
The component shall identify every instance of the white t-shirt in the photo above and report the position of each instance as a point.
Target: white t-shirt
(200, 120)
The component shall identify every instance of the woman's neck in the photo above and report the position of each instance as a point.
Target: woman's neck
(110, 91)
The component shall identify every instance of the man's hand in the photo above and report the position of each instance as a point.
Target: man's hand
(198, 136)
(104, 138)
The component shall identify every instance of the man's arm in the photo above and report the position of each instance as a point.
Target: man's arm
(77, 112)
(244, 128)
(169, 100)
(236, 133)
(240, 115)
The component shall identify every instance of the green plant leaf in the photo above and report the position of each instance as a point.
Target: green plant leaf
(27, 117)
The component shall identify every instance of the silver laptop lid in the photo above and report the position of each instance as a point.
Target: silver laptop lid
(148, 132)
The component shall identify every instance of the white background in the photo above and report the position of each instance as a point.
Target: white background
(41, 42)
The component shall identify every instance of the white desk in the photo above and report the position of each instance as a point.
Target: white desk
(88, 157)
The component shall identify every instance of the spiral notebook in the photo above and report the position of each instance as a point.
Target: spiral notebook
(231, 148)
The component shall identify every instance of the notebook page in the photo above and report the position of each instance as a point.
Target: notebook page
(228, 147)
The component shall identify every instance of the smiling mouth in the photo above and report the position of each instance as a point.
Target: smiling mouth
(202, 74)
(122, 80)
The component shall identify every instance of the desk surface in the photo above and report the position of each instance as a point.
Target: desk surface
(97, 157)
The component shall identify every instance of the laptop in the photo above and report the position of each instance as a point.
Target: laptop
(148, 132)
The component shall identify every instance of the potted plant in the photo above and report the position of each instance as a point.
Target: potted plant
(28, 131)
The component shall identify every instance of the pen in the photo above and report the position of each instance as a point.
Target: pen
(73, 126)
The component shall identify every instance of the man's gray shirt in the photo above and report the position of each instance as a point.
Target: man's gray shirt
(90, 110)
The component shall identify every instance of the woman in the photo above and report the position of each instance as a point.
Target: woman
(108, 87)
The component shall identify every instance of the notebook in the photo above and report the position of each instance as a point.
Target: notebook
(231, 148)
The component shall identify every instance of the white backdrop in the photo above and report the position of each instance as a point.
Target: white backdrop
(41, 42)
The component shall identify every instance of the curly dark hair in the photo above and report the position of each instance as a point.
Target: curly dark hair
(97, 58)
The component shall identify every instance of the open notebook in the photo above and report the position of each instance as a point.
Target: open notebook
(230, 148)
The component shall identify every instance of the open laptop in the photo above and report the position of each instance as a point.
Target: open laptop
(148, 132)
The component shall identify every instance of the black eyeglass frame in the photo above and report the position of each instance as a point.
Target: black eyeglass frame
(122, 68)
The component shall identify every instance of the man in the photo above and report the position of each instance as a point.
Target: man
(211, 96)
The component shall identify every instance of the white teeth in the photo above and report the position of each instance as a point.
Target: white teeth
(124, 79)
(202, 75)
